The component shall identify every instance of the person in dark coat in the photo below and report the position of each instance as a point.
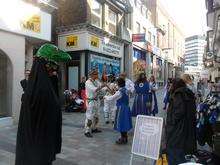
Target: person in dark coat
(181, 123)
(39, 129)
(24, 83)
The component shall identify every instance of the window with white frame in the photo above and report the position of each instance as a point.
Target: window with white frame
(144, 30)
(96, 18)
(149, 36)
(138, 5)
(137, 28)
(112, 19)
(154, 40)
(143, 10)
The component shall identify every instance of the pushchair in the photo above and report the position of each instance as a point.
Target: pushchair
(73, 103)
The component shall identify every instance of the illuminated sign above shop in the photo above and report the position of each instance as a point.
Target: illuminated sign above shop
(25, 19)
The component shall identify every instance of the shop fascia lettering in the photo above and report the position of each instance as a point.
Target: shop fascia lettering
(111, 48)
(30, 21)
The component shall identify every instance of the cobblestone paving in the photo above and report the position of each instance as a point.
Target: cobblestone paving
(76, 148)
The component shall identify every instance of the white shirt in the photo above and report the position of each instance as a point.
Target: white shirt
(153, 86)
(129, 85)
(114, 97)
(91, 87)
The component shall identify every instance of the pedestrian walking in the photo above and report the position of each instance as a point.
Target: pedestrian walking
(82, 91)
(123, 121)
(110, 105)
(141, 103)
(40, 122)
(180, 123)
(24, 83)
(166, 97)
(153, 96)
(189, 82)
(93, 87)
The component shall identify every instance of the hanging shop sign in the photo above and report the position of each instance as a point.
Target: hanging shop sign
(72, 41)
(94, 41)
(139, 37)
(104, 65)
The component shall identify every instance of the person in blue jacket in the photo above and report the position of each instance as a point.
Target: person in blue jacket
(123, 121)
(141, 100)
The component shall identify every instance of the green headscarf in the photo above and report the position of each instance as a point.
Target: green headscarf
(52, 53)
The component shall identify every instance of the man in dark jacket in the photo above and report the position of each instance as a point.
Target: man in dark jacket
(181, 123)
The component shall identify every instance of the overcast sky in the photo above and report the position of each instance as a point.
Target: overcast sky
(190, 15)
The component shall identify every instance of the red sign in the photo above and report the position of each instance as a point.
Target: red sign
(138, 38)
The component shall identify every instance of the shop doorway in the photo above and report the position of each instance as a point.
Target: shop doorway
(73, 72)
(6, 80)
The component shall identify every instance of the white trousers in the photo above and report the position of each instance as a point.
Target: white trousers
(109, 110)
(92, 116)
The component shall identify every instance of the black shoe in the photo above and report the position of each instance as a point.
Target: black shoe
(88, 135)
(107, 122)
(96, 131)
(121, 141)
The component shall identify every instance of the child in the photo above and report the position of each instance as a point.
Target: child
(123, 122)
(110, 105)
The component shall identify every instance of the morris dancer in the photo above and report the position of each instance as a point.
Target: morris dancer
(92, 112)
(110, 105)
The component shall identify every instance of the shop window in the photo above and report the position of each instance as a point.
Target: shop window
(96, 18)
(112, 18)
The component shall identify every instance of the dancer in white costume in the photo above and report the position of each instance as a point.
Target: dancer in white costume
(92, 113)
(110, 105)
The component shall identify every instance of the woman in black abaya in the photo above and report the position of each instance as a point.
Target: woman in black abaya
(39, 128)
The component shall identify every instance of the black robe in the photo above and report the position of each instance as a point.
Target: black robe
(40, 122)
(181, 121)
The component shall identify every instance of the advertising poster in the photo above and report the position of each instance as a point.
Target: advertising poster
(105, 66)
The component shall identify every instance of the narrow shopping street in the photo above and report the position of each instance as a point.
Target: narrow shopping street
(76, 148)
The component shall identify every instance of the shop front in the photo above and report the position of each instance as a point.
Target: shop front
(17, 35)
(90, 51)
(139, 62)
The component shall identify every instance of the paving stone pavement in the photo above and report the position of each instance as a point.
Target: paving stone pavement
(76, 148)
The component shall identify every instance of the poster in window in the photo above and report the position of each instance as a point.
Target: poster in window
(105, 66)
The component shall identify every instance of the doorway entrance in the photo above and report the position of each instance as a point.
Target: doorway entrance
(6, 79)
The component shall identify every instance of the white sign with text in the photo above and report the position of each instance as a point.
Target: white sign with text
(147, 136)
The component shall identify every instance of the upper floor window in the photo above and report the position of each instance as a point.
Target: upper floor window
(149, 36)
(154, 40)
(112, 19)
(144, 11)
(138, 5)
(138, 28)
(144, 30)
(96, 18)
